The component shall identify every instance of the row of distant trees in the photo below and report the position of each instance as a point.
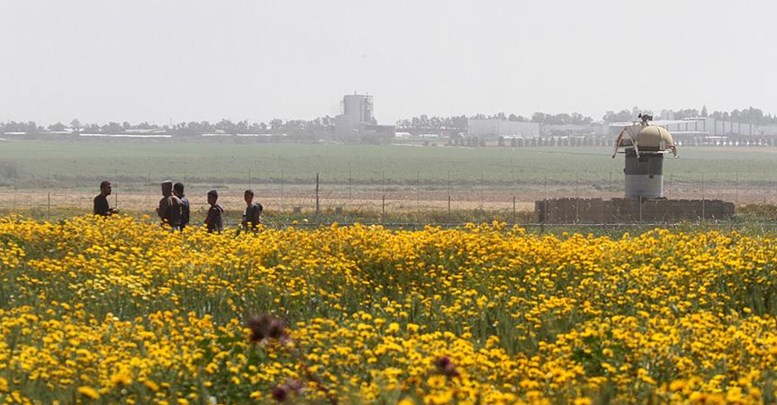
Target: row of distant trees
(325, 125)
(748, 115)
(276, 126)
(459, 122)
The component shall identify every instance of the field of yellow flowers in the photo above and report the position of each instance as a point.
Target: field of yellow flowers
(118, 310)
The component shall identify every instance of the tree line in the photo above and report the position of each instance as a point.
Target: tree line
(193, 128)
(748, 115)
(459, 122)
(325, 125)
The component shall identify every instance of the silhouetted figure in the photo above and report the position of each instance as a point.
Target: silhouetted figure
(185, 209)
(252, 216)
(214, 220)
(169, 209)
(101, 201)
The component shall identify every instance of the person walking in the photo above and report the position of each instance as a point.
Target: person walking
(169, 209)
(252, 216)
(101, 206)
(185, 210)
(214, 221)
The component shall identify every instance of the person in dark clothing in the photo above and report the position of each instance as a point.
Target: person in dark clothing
(178, 191)
(214, 220)
(169, 209)
(101, 201)
(252, 216)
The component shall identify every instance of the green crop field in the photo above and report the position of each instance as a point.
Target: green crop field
(62, 163)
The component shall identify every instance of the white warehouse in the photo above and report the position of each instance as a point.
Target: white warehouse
(496, 128)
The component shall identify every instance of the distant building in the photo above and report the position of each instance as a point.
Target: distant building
(708, 131)
(568, 129)
(494, 128)
(358, 124)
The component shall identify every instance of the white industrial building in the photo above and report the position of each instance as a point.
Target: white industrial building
(494, 128)
(706, 126)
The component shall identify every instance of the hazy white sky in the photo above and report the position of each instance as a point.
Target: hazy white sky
(157, 60)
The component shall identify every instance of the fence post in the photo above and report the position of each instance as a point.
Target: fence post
(482, 186)
(417, 190)
(449, 208)
(513, 210)
(382, 189)
(116, 196)
(703, 199)
(148, 182)
(640, 209)
(449, 196)
(48, 187)
(13, 200)
(577, 197)
(317, 201)
(577, 185)
(282, 202)
(736, 190)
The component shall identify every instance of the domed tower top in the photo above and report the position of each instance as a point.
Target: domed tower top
(645, 138)
(644, 146)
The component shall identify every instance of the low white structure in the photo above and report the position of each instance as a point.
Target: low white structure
(495, 128)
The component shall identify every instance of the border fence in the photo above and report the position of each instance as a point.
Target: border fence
(339, 198)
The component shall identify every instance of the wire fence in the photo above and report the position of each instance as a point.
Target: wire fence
(512, 198)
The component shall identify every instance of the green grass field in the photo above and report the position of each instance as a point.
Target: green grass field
(359, 183)
(59, 163)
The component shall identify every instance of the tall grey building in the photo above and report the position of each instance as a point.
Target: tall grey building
(357, 123)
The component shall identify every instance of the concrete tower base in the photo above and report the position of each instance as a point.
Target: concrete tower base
(644, 175)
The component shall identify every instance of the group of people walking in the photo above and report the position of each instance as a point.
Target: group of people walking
(174, 210)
